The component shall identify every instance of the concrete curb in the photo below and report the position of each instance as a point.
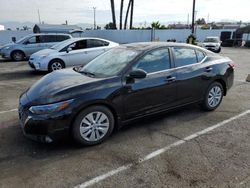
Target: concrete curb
(248, 78)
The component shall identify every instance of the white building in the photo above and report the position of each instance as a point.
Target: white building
(1, 27)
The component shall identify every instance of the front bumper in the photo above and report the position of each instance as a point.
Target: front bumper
(44, 128)
(212, 48)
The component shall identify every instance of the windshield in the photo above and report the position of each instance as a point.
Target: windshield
(22, 39)
(61, 45)
(110, 63)
(211, 40)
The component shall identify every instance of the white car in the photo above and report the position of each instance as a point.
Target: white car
(75, 51)
(213, 44)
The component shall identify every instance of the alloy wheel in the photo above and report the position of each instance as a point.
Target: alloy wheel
(214, 96)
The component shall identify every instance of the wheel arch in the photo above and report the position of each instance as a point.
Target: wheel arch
(117, 122)
(17, 50)
(223, 83)
(56, 59)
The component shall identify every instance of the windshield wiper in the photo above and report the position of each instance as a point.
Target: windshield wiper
(90, 74)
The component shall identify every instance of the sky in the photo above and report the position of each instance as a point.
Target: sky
(145, 11)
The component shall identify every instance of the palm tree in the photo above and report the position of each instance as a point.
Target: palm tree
(113, 13)
(126, 17)
(121, 12)
(131, 14)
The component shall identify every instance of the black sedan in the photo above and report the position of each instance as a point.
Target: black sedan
(128, 82)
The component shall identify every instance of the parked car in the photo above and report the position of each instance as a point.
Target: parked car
(30, 44)
(127, 82)
(75, 51)
(212, 43)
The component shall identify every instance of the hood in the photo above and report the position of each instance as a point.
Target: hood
(211, 43)
(7, 45)
(44, 52)
(59, 85)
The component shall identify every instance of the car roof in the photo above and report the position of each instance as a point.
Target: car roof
(143, 46)
(37, 34)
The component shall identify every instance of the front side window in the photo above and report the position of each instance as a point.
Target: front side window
(184, 56)
(154, 61)
(82, 44)
(33, 40)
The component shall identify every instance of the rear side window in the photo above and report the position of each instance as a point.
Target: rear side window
(48, 38)
(157, 60)
(60, 38)
(200, 55)
(92, 43)
(184, 56)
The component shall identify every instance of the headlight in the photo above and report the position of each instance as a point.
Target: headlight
(50, 108)
(6, 48)
(43, 56)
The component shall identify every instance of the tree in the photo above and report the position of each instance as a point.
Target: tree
(110, 25)
(121, 12)
(201, 21)
(127, 12)
(113, 13)
(157, 25)
(131, 14)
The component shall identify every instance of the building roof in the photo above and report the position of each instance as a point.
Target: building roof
(51, 28)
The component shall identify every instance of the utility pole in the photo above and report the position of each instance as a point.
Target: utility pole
(193, 15)
(94, 8)
(39, 18)
(131, 14)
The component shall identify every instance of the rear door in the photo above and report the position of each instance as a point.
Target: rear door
(192, 74)
(155, 92)
(95, 47)
(32, 45)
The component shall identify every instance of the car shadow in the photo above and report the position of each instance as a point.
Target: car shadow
(21, 74)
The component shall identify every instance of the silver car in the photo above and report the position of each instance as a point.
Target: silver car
(30, 44)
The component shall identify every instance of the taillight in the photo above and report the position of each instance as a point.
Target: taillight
(232, 65)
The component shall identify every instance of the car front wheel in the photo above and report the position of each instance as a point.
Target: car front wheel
(56, 65)
(93, 125)
(213, 96)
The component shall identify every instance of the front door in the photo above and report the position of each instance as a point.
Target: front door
(154, 93)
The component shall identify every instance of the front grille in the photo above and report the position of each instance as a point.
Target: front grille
(31, 65)
(23, 114)
(210, 46)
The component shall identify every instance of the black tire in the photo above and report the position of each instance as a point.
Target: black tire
(218, 51)
(56, 62)
(17, 55)
(205, 103)
(78, 124)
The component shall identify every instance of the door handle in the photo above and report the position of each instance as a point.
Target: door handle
(208, 69)
(170, 79)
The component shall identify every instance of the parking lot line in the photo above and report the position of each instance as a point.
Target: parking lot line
(12, 110)
(159, 151)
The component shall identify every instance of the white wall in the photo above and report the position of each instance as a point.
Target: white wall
(126, 36)
(5, 36)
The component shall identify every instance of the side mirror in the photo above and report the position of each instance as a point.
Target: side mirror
(137, 74)
(13, 39)
(69, 49)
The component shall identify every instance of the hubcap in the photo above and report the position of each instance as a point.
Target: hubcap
(56, 66)
(214, 96)
(94, 126)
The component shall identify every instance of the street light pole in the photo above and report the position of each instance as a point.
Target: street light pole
(94, 8)
(193, 15)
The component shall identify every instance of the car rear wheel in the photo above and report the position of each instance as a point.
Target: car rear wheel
(93, 125)
(213, 97)
(56, 64)
(17, 55)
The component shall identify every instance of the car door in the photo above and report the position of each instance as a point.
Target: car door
(77, 55)
(32, 45)
(192, 74)
(155, 92)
